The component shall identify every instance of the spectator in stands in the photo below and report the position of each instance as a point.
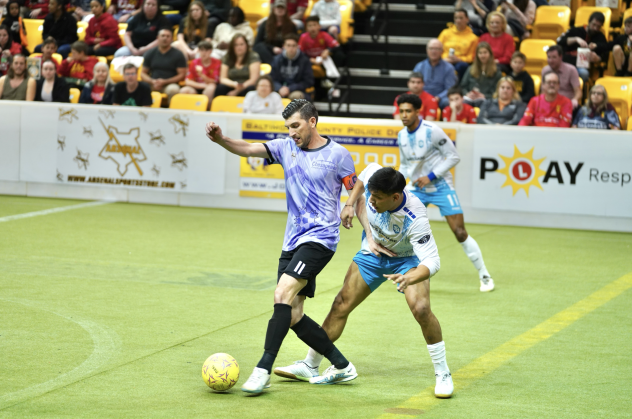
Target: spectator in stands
(142, 31)
(292, 71)
(37, 8)
(458, 111)
(438, 75)
(124, 10)
(519, 14)
(522, 80)
(271, 33)
(506, 108)
(203, 75)
(225, 32)
(264, 99)
(477, 11)
(17, 85)
(82, 9)
(163, 66)
(328, 11)
(178, 6)
(61, 26)
(102, 34)
(480, 80)
(567, 74)
(131, 92)
(14, 22)
(100, 90)
(622, 46)
(8, 48)
(50, 88)
(549, 109)
(193, 31)
(589, 37)
(459, 42)
(240, 69)
(78, 69)
(429, 103)
(318, 45)
(501, 42)
(216, 11)
(295, 9)
(598, 113)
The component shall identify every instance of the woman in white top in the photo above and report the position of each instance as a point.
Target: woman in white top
(263, 99)
(226, 31)
(51, 88)
(519, 14)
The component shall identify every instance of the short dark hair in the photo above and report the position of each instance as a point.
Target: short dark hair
(305, 107)
(547, 74)
(461, 10)
(312, 18)
(416, 75)
(290, 36)
(128, 66)
(166, 28)
(597, 16)
(387, 180)
(50, 40)
(79, 46)
(520, 55)
(628, 20)
(205, 45)
(409, 98)
(557, 48)
(265, 77)
(455, 90)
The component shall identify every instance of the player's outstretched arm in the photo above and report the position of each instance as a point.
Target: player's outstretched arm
(240, 147)
(347, 211)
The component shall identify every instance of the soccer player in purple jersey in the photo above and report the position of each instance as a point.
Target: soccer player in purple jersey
(315, 170)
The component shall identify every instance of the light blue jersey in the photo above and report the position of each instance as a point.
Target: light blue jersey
(313, 183)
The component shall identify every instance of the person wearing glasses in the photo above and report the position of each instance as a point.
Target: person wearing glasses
(550, 109)
(598, 113)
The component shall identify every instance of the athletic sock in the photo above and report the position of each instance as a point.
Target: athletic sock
(437, 354)
(313, 358)
(278, 326)
(471, 249)
(316, 338)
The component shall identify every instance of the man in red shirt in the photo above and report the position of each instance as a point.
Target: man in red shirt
(429, 104)
(549, 109)
(79, 66)
(458, 111)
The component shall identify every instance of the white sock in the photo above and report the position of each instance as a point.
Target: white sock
(313, 358)
(437, 354)
(471, 249)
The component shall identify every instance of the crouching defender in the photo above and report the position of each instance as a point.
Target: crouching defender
(397, 245)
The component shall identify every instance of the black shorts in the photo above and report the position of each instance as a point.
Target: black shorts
(305, 262)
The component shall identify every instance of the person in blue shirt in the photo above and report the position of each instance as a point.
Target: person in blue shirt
(598, 113)
(438, 74)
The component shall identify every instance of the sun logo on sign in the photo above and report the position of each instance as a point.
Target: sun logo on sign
(522, 171)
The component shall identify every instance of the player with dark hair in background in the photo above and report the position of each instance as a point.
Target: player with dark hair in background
(315, 169)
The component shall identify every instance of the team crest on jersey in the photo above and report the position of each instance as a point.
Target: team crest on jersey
(425, 239)
(396, 229)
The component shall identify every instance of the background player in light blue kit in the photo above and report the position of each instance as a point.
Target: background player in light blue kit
(397, 245)
(426, 157)
(315, 169)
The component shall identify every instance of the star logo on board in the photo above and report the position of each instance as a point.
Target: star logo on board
(123, 149)
(82, 159)
(68, 115)
(156, 138)
(183, 185)
(178, 161)
(522, 171)
(87, 131)
(61, 142)
(60, 177)
(107, 113)
(180, 124)
(156, 170)
(143, 116)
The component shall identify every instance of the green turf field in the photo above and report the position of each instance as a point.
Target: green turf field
(111, 310)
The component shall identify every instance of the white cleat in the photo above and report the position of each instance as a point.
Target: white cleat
(298, 371)
(259, 379)
(487, 284)
(332, 375)
(444, 387)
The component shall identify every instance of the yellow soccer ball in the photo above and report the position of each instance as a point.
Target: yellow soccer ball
(220, 372)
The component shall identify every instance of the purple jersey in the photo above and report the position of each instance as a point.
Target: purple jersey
(313, 182)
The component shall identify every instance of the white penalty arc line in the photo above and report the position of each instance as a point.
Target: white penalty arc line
(52, 210)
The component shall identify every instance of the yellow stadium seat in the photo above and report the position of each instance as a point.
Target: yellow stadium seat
(346, 13)
(74, 95)
(535, 50)
(477, 111)
(81, 30)
(233, 104)
(265, 69)
(117, 77)
(285, 101)
(189, 102)
(583, 13)
(34, 28)
(619, 94)
(438, 114)
(551, 22)
(361, 5)
(102, 60)
(630, 124)
(255, 10)
(536, 84)
(122, 30)
(156, 99)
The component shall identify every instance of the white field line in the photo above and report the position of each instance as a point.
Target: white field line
(52, 211)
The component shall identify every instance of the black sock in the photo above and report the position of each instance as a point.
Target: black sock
(278, 327)
(316, 338)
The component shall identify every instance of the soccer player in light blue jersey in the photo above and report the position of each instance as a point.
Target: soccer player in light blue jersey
(397, 245)
(316, 169)
(426, 157)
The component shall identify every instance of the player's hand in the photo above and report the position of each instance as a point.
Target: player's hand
(421, 182)
(347, 217)
(214, 132)
(377, 248)
(400, 280)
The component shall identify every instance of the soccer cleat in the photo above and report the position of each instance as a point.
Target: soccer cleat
(444, 387)
(298, 371)
(333, 375)
(487, 284)
(259, 379)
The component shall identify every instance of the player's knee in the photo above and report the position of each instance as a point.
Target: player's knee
(341, 305)
(421, 311)
(461, 234)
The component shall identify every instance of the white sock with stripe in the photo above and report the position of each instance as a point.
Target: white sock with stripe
(473, 252)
